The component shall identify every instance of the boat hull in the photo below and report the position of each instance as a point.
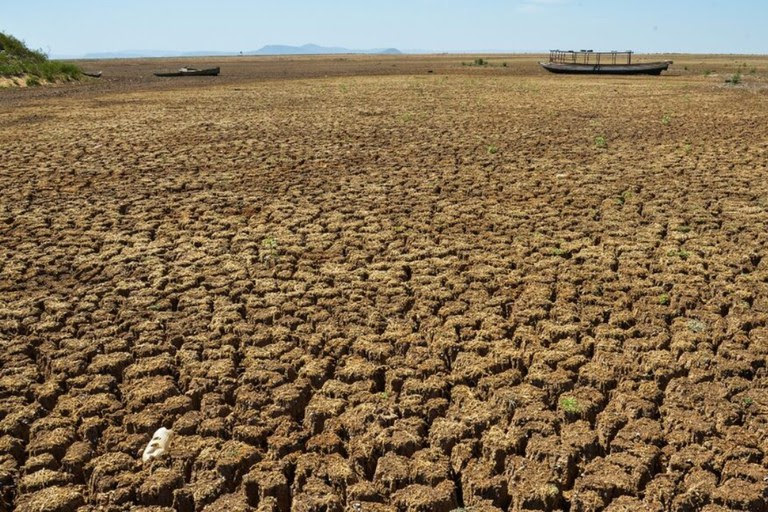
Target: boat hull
(649, 68)
(192, 72)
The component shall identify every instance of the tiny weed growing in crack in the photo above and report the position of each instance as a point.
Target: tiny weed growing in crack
(624, 197)
(570, 405)
(269, 250)
(697, 326)
(680, 253)
(557, 251)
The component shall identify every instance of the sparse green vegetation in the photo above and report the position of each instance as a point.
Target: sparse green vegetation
(747, 401)
(492, 150)
(624, 197)
(481, 62)
(679, 253)
(570, 405)
(666, 119)
(664, 299)
(16, 60)
(600, 142)
(682, 228)
(697, 326)
(557, 251)
(734, 79)
(269, 250)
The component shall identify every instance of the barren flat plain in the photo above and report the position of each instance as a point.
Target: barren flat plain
(386, 284)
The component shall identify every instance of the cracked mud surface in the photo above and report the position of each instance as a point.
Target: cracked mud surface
(498, 291)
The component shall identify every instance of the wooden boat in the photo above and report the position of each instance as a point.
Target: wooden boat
(600, 63)
(192, 72)
(92, 74)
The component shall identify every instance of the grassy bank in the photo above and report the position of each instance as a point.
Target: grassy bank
(16, 60)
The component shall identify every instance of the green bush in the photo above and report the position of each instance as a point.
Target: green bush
(735, 79)
(18, 60)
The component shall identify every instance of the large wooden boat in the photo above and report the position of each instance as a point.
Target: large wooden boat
(600, 63)
(191, 72)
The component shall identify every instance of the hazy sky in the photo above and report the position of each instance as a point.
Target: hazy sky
(72, 27)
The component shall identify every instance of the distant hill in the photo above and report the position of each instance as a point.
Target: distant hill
(313, 49)
(272, 49)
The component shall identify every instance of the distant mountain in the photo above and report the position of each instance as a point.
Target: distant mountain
(272, 49)
(313, 49)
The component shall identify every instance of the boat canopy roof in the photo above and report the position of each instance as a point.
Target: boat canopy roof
(590, 57)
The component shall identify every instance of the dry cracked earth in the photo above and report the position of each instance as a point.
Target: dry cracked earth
(475, 289)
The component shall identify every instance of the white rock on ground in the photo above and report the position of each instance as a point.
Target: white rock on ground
(158, 445)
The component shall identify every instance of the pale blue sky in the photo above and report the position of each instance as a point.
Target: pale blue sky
(72, 27)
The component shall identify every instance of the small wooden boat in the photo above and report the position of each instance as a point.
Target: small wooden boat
(192, 72)
(92, 74)
(600, 63)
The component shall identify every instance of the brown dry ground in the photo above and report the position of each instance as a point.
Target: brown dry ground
(351, 284)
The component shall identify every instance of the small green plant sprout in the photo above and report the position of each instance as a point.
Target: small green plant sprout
(688, 147)
(570, 405)
(624, 197)
(600, 142)
(680, 253)
(734, 79)
(269, 250)
(664, 299)
(558, 251)
(747, 401)
(666, 119)
(550, 490)
(492, 150)
(696, 325)
(682, 228)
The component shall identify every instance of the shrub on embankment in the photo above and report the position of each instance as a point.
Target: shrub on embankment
(32, 66)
